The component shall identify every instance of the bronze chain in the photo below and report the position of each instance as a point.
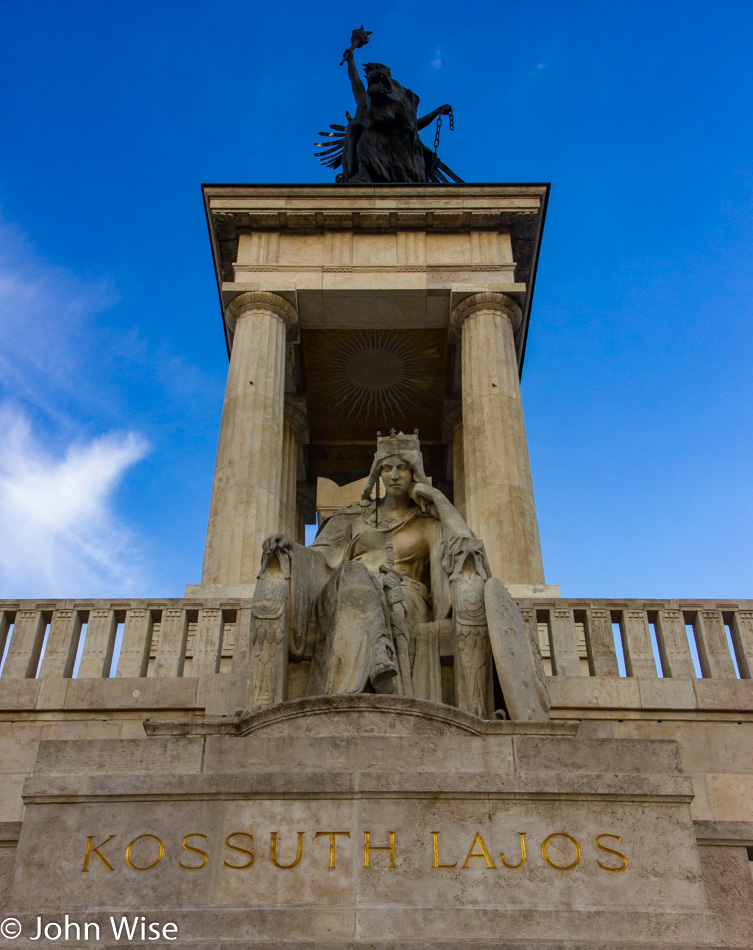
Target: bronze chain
(439, 126)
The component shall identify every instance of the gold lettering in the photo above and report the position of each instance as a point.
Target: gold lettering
(522, 854)
(435, 836)
(560, 867)
(332, 835)
(90, 850)
(617, 854)
(273, 852)
(154, 864)
(478, 840)
(188, 847)
(238, 834)
(368, 847)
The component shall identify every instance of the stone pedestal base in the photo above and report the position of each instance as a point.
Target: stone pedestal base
(363, 821)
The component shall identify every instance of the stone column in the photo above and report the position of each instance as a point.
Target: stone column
(498, 490)
(246, 493)
(452, 432)
(294, 432)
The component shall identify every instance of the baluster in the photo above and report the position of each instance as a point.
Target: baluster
(206, 655)
(100, 639)
(6, 619)
(172, 643)
(62, 644)
(566, 661)
(742, 636)
(529, 618)
(712, 639)
(242, 636)
(137, 639)
(601, 652)
(25, 644)
(639, 654)
(670, 631)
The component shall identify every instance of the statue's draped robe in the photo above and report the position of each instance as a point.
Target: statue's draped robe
(341, 617)
(382, 142)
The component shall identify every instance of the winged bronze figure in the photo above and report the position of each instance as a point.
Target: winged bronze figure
(380, 143)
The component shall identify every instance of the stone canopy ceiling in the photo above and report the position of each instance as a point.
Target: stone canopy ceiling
(361, 381)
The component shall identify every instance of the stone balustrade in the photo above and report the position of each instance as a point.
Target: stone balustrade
(97, 639)
(97, 669)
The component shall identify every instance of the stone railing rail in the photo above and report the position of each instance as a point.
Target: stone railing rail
(195, 641)
(640, 638)
(102, 638)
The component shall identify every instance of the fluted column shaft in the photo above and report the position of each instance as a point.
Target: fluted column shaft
(289, 470)
(246, 494)
(498, 489)
(294, 431)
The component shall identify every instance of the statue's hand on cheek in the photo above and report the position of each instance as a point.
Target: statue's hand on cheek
(423, 493)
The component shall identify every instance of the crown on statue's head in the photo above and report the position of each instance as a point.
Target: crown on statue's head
(397, 442)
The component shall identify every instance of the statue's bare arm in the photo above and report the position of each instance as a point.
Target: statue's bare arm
(446, 109)
(453, 524)
(359, 90)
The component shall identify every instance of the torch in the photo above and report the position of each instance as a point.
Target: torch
(358, 38)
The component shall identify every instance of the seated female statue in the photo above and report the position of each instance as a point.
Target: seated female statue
(366, 600)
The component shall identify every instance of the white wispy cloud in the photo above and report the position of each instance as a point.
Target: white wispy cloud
(46, 312)
(542, 66)
(60, 534)
(437, 61)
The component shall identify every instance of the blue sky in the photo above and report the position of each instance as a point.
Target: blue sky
(637, 382)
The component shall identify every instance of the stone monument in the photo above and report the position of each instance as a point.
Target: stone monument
(398, 736)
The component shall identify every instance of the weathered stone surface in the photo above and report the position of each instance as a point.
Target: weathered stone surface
(729, 887)
(121, 755)
(425, 774)
(730, 833)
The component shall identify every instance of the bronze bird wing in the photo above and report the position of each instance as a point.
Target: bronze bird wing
(330, 151)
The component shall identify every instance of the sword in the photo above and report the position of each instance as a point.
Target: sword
(395, 597)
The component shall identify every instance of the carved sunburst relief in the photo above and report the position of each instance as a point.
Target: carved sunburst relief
(378, 377)
(358, 381)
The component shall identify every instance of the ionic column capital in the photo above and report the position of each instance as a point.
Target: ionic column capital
(488, 300)
(255, 300)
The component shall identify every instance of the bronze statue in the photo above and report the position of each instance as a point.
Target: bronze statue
(368, 601)
(381, 142)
